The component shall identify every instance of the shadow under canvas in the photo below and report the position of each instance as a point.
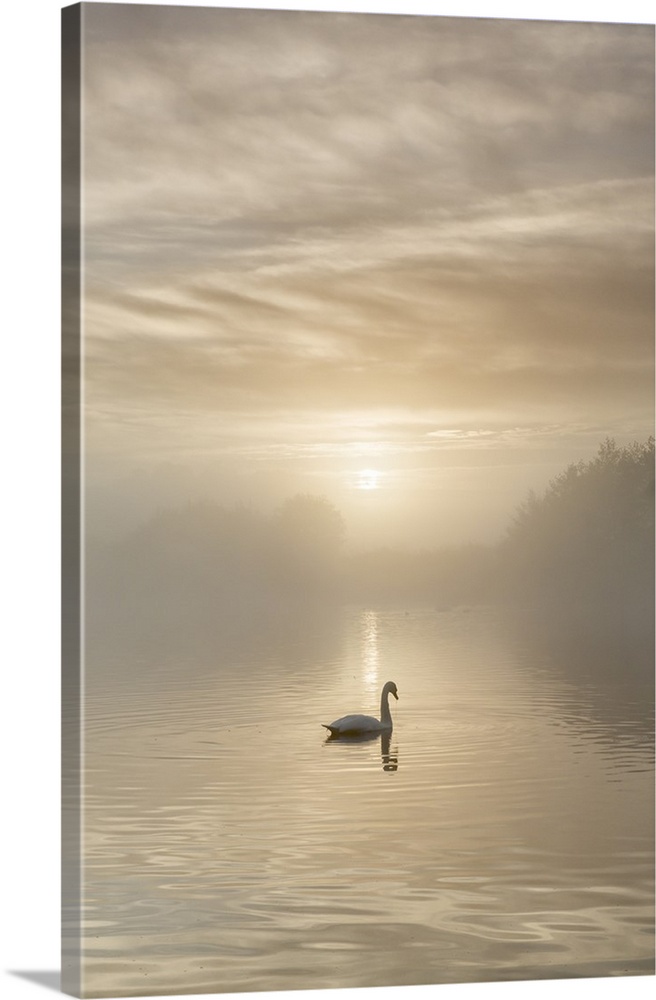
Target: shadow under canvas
(48, 978)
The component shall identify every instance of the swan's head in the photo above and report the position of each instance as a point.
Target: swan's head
(390, 687)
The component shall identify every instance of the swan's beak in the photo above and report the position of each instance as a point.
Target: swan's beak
(395, 695)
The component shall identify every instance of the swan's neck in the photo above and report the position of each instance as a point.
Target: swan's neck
(385, 714)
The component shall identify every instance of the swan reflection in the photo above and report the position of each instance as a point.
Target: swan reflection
(390, 758)
(389, 755)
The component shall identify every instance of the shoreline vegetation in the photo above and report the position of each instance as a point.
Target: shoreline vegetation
(580, 554)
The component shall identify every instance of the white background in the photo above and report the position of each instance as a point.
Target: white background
(29, 495)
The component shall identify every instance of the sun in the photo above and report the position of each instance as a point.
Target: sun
(368, 479)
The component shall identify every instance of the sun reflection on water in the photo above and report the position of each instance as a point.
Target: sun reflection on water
(370, 652)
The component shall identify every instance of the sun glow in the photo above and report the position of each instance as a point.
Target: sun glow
(368, 479)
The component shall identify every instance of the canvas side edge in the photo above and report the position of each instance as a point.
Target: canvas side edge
(71, 546)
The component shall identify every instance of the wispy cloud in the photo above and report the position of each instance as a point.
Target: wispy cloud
(533, 295)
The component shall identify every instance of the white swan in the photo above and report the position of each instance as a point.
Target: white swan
(363, 725)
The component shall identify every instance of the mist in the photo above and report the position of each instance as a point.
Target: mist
(579, 553)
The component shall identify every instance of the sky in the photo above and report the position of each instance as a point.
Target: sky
(402, 262)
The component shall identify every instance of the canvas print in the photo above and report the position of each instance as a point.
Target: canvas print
(358, 500)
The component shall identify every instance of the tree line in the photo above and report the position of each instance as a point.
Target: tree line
(585, 545)
(588, 541)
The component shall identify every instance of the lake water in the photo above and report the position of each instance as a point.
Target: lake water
(504, 832)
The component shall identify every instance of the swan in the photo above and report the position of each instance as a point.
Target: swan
(362, 725)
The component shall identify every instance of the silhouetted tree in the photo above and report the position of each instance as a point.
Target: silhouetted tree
(196, 559)
(308, 535)
(588, 541)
